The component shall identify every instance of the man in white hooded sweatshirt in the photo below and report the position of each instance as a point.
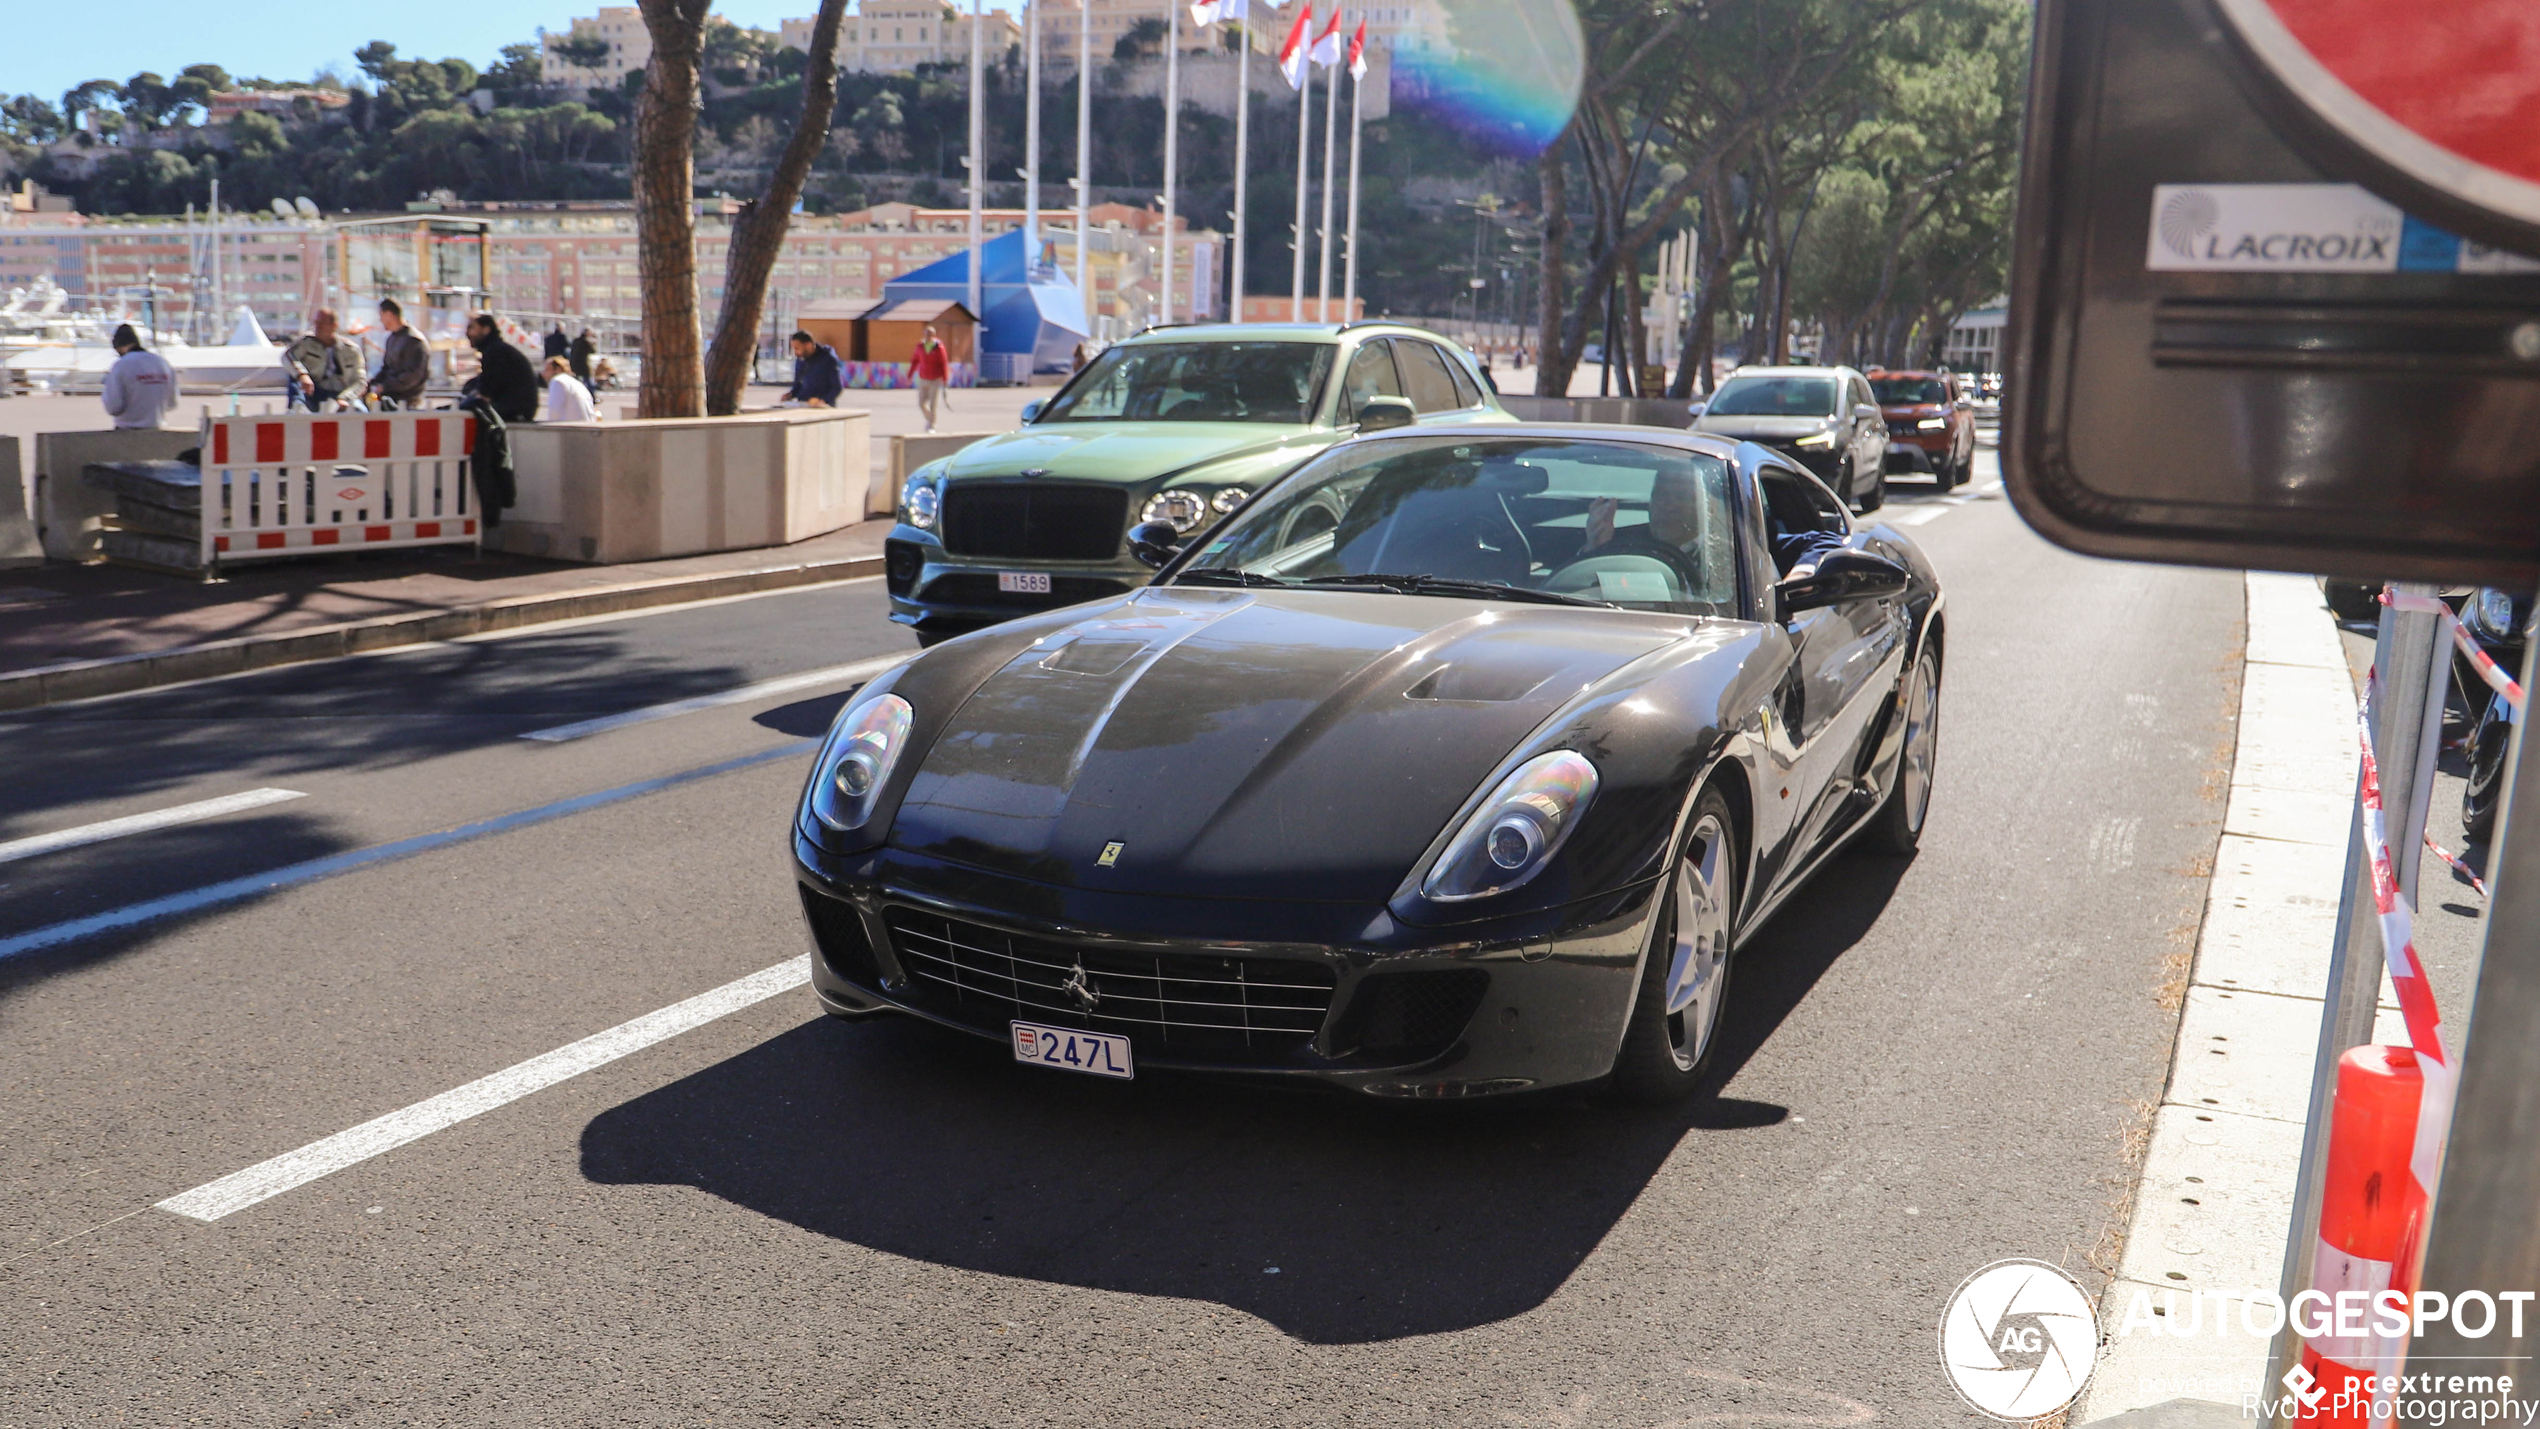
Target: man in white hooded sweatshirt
(140, 387)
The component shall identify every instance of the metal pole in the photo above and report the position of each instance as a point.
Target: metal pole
(1172, 131)
(2405, 655)
(1032, 139)
(1331, 133)
(1243, 157)
(976, 160)
(1084, 152)
(1304, 118)
(2484, 1236)
(1349, 269)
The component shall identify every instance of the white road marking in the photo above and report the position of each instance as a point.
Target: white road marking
(267, 1179)
(1932, 509)
(861, 670)
(143, 823)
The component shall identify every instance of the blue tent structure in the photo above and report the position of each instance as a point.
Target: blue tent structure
(1029, 320)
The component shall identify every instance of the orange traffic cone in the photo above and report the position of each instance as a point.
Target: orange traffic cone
(2371, 1213)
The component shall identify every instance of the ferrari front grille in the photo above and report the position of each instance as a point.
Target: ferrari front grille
(1034, 520)
(1186, 1005)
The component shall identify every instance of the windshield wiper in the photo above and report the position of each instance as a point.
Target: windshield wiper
(1442, 585)
(1226, 575)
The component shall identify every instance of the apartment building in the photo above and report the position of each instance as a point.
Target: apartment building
(896, 36)
(620, 27)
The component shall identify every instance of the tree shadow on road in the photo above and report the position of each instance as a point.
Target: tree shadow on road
(1338, 1219)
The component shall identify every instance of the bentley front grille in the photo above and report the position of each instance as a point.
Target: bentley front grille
(1184, 1005)
(1032, 520)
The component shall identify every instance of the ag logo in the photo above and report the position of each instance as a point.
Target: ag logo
(2019, 1339)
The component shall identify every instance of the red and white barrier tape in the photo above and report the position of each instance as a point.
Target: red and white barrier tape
(2458, 867)
(2399, 954)
(2488, 670)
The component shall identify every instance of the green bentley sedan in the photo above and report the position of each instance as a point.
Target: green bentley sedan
(1179, 425)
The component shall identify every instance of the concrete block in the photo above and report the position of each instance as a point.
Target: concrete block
(2216, 1196)
(2246, 1052)
(2270, 916)
(18, 543)
(2289, 623)
(609, 492)
(2291, 816)
(68, 511)
(908, 453)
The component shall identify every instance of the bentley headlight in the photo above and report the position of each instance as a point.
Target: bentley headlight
(1228, 498)
(920, 501)
(1516, 831)
(1181, 510)
(2490, 614)
(856, 762)
(1932, 424)
(1820, 441)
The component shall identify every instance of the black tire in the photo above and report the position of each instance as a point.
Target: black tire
(1654, 1066)
(1877, 496)
(1953, 474)
(2485, 788)
(2354, 602)
(1897, 827)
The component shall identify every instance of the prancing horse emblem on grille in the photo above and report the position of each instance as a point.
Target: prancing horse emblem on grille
(1079, 988)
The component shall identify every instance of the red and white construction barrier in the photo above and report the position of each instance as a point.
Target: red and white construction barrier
(2392, 1112)
(300, 482)
(2463, 869)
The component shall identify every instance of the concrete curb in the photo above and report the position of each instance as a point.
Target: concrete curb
(120, 674)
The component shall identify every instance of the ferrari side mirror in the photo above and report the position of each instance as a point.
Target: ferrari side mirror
(1154, 543)
(1840, 577)
(1032, 409)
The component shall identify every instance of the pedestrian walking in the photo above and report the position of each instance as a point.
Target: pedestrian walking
(567, 399)
(404, 363)
(817, 377)
(324, 366)
(579, 353)
(556, 344)
(931, 366)
(504, 379)
(140, 387)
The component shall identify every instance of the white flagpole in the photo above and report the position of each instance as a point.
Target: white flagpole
(1331, 134)
(1304, 118)
(1032, 139)
(977, 156)
(1243, 134)
(1172, 128)
(1084, 151)
(1349, 267)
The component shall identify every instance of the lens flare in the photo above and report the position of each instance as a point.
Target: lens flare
(1505, 70)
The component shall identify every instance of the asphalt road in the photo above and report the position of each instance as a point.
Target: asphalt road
(780, 1219)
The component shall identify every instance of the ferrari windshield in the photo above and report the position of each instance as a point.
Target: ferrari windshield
(1774, 397)
(1902, 391)
(1555, 520)
(1196, 382)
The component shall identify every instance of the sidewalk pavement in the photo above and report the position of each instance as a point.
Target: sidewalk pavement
(70, 632)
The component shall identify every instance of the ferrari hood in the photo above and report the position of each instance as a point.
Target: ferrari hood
(1263, 744)
(1761, 429)
(1127, 451)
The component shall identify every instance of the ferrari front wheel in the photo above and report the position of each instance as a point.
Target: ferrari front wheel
(1675, 1019)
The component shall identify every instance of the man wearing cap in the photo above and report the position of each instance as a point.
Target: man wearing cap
(140, 387)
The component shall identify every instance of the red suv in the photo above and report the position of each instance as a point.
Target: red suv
(1931, 423)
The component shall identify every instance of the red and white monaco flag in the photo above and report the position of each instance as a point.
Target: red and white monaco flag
(1358, 51)
(1292, 54)
(1327, 45)
(1208, 12)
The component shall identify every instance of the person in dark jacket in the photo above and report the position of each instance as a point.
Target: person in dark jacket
(505, 379)
(405, 365)
(580, 355)
(556, 344)
(817, 377)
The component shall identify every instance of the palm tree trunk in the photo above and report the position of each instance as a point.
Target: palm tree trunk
(758, 231)
(665, 210)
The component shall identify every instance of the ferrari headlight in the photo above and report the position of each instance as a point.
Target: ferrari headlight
(1228, 498)
(856, 761)
(1516, 831)
(1931, 424)
(1181, 510)
(1821, 441)
(920, 500)
(2489, 614)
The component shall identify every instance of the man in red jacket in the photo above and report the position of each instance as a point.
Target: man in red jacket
(931, 366)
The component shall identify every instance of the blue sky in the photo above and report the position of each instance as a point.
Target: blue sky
(47, 46)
